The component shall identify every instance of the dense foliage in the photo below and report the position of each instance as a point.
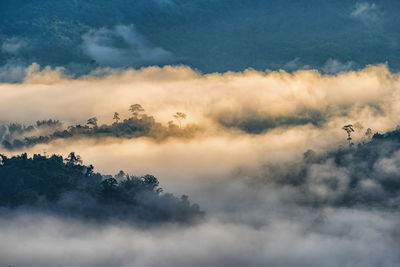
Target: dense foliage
(66, 186)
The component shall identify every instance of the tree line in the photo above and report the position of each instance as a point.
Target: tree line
(139, 124)
(67, 187)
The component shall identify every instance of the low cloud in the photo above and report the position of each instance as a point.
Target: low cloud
(122, 46)
(13, 45)
(366, 12)
(333, 66)
(304, 238)
(12, 72)
(295, 64)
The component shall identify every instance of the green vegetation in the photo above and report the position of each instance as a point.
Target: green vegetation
(65, 186)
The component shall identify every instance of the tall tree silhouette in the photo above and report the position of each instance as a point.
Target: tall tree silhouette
(368, 133)
(116, 117)
(136, 109)
(349, 129)
(73, 159)
(179, 116)
(92, 121)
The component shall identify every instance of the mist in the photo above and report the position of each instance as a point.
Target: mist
(246, 117)
(268, 199)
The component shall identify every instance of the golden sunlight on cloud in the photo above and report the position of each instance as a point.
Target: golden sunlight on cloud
(162, 91)
(290, 112)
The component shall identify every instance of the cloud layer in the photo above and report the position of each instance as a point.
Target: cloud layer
(328, 239)
(246, 116)
(366, 12)
(241, 169)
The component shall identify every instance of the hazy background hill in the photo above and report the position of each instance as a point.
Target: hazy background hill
(209, 35)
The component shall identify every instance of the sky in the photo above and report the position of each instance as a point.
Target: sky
(266, 86)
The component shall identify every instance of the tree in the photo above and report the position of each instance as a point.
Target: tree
(150, 182)
(116, 117)
(349, 129)
(368, 133)
(89, 170)
(73, 159)
(120, 175)
(135, 109)
(109, 188)
(39, 182)
(92, 121)
(179, 116)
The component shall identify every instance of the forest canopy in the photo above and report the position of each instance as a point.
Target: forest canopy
(65, 186)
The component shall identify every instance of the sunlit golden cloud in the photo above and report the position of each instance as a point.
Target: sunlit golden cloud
(162, 91)
(219, 103)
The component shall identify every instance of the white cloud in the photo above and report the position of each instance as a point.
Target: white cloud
(122, 46)
(13, 45)
(12, 73)
(366, 12)
(333, 66)
(341, 238)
